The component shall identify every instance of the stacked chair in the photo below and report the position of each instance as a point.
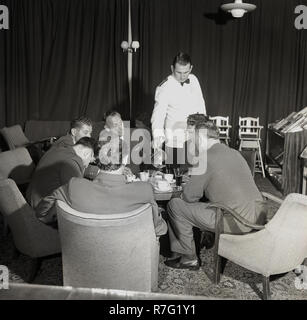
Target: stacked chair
(250, 138)
(223, 125)
(249, 145)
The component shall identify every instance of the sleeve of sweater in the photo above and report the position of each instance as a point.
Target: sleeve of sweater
(45, 210)
(70, 169)
(194, 189)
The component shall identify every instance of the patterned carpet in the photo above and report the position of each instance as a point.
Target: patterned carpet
(236, 282)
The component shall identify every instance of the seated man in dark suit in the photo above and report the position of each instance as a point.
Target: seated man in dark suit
(223, 176)
(79, 128)
(109, 193)
(58, 166)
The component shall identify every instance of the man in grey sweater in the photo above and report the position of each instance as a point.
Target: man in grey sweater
(223, 177)
(109, 193)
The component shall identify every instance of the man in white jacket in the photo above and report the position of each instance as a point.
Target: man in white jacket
(178, 96)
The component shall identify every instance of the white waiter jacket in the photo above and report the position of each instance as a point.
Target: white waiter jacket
(174, 102)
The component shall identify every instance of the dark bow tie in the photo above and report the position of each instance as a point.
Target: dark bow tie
(187, 81)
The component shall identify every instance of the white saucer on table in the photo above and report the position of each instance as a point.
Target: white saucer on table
(170, 189)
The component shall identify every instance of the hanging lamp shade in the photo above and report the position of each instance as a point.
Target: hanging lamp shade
(238, 8)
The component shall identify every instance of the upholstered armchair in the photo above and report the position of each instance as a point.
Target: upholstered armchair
(274, 248)
(18, 165)
(15, 138)
(111, 251)
(31, 237)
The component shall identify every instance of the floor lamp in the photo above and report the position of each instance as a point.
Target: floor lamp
(130, 47)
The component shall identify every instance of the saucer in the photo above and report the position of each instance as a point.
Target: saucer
(164, 190)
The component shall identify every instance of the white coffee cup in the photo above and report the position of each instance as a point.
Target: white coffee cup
(163, 185)
(144, 176)
(169, 177)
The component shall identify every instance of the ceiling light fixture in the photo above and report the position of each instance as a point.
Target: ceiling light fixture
(238, 8)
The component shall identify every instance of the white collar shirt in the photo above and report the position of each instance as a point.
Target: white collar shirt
(174, 102)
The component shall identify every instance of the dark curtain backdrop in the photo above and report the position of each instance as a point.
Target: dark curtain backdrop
(252, 66)
(62, 58)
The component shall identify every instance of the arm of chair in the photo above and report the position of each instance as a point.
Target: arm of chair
(49, 139)
(236, 216)
(221, 209)
(271, 197)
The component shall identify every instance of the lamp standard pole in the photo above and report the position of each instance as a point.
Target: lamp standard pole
(130, 53)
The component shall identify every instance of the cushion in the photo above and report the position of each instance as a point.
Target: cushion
(14, 136)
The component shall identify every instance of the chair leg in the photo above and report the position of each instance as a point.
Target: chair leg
(217, 270)
(35, 266)
(261, 162)
(5, 227)
(240, 145)
(266, 288)
(217, 258)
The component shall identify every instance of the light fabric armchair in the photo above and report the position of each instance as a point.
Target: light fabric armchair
(113, 251)
(16, 164)
(277, 247)
(31, 237)
(14, 136)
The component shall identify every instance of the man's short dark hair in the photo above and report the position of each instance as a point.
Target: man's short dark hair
(111, 113)
(79, 122)
(212, 130)
(87, 142)
(194, 118)
(182, 58)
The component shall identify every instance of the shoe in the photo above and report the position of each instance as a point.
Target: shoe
(177, 264)
(174, 256)
(207, 239)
